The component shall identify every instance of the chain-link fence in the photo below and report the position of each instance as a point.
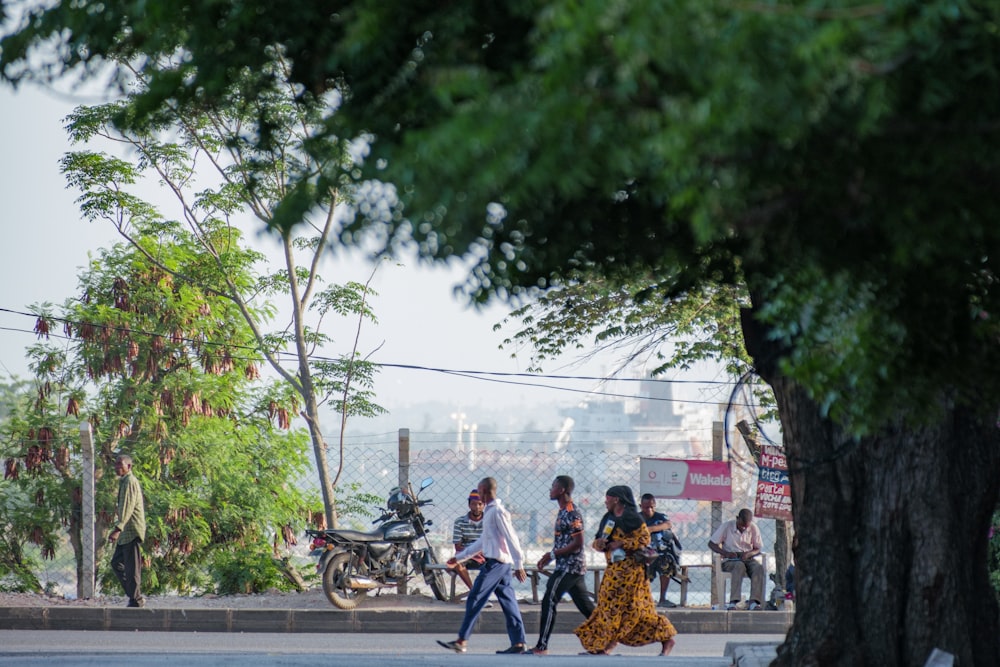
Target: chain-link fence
(524, 477)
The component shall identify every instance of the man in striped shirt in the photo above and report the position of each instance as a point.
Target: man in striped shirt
(467, 529)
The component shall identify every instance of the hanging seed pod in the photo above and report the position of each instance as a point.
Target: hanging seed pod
(45, 436)
(77, 495)
(252, 372)
(73, 407)
(62, 458)
(41, 328)
(85, 331)
(319, 520)
(40, 498)
(37, 536)
(167, 455)
(226, 365)
(11, 469)
(288, 536)
(119, 290)
(33, 459)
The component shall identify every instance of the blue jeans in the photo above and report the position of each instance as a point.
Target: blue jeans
(494, 577)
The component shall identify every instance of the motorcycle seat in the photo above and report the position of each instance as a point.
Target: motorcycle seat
(358, 536)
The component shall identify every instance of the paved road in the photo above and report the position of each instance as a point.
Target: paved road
(113, 649)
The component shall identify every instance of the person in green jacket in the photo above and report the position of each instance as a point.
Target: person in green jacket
(129, 532)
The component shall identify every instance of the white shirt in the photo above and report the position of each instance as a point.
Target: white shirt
(730, 538)
(498, 540)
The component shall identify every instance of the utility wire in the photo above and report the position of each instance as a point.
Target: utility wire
(485, 376)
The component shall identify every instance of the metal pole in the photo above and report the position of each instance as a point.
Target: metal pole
(404, 458)
(85, 587)
(718, 436)
(404, 479)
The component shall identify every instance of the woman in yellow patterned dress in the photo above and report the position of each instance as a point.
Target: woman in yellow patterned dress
(625, 611)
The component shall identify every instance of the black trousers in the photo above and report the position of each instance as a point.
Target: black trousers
(560, 583)
(127, 566)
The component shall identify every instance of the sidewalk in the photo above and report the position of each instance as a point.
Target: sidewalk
(310, 612)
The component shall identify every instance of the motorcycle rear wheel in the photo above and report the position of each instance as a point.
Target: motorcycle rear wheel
(335, 583)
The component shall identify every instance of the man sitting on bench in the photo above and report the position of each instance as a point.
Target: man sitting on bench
(738, 542)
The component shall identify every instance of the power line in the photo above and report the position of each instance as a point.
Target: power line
(485, 376)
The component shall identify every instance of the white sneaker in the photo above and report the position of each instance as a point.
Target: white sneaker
(731, 606)
(753, 606)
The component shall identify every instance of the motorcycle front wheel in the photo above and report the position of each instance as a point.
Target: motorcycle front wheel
(434, 578)
(335, 582)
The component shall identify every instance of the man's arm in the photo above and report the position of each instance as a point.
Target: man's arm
(576, 544)
(756, 543)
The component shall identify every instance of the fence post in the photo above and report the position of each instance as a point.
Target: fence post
(85, 586)
(718, 435)
(404, 479)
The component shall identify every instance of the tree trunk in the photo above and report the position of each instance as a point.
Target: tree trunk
(891, 556)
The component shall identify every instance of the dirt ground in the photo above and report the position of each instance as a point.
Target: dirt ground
(311, 599)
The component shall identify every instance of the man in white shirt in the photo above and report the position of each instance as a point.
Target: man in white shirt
(738, 542)
(502, 550)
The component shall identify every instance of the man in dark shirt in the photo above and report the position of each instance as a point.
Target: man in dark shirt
(570, 567)
(661, 532)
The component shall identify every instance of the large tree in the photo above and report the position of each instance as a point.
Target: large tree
(223, 182)
(836, 158)
(167, 372)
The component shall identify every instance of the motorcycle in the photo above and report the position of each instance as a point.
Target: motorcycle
(352, 563)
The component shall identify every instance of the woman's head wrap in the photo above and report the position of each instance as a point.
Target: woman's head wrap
(630, 518)
(624, 494)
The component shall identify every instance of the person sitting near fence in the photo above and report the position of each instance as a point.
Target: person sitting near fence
(738, 542)
(661, 532)
(467, 529)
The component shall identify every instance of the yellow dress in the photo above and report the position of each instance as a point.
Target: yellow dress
(625, 612)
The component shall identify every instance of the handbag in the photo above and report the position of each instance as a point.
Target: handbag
(646, 555)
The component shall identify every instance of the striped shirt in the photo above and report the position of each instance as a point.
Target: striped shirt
(466, 531)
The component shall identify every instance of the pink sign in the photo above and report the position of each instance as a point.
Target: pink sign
(679, 478)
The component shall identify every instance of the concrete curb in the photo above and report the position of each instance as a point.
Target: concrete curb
(360, 620)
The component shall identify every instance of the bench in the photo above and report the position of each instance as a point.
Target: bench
(685, 579)
(534, 576)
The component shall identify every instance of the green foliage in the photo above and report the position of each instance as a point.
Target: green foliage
(17, 568)
(247, 570)
(163, 369)
(672, 333)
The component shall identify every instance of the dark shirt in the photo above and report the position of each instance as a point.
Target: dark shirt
(657, 518)
(569, 522)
